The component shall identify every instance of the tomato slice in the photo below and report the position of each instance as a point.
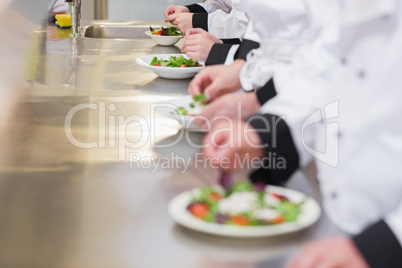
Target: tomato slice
(183, 65)
(214, 196)
(240, 220)
(156, 65)
(279, 196)
(199, 210)
(278, 219)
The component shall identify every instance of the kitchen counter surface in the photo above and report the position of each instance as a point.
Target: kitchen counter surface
(78, 191)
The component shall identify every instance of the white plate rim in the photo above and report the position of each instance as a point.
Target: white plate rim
(311, 211)
(184, 120)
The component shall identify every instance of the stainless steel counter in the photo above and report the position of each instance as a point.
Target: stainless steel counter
(66, 206)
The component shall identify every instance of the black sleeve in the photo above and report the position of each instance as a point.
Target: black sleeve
(218, 54)
(200, 20)
(195, 8)
(267, 92)
(379, 246)
(245, 47)
(232, 41)
(282, 158)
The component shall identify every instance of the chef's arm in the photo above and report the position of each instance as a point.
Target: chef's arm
(281, 125)
(228, 52)
(213, 5)
(280, 149)
(202, 13)
(200, 16)
(226, 25)
(233, 48)
(380, 244)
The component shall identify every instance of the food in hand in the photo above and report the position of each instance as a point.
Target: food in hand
(199, 100)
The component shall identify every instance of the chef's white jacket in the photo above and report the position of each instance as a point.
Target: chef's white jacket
(284, 27)
(340, 101)
(222, 18)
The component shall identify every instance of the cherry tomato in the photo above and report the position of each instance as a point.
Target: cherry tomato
(240, 220)
(199, 210)
(214, 196)
(278, 219)
(183, 65)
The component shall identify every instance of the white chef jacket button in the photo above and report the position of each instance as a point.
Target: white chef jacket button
(361, 74)
(343, 61)
(386, 17)
(334, 195)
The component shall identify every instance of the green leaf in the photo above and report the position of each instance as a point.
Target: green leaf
(181, 111)
(154, 61)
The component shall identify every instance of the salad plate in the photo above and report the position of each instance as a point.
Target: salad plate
(169, 72)
(175, 109)
(164, 40)
(165, 36)
(297, 212)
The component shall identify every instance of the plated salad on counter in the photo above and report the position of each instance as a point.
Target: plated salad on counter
(243, 204)
(166, 31)
(175, 61)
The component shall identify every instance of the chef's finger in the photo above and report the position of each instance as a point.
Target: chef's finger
(171, 17)
(193, 31)
(199, 82)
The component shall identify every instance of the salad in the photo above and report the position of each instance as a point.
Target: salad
(243, 204)
(166, 31)
(175, 61)
(197, 100)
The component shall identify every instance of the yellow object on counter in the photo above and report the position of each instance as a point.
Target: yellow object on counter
(63, 21)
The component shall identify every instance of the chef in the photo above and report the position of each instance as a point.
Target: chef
(284, 26)
(350, 101)
(201, 45)
(221, 18)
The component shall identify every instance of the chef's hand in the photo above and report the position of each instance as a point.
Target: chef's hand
(174, 9)
(198, 43)
(230, 142)
(242, 105)
(335, 252)
(217, 80)
(183, 21)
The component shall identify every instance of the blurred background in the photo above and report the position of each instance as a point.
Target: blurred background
(133, 9)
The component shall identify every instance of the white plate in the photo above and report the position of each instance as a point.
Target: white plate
(164, 40)
(167, 108)
(168, 72)
(309, 214)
